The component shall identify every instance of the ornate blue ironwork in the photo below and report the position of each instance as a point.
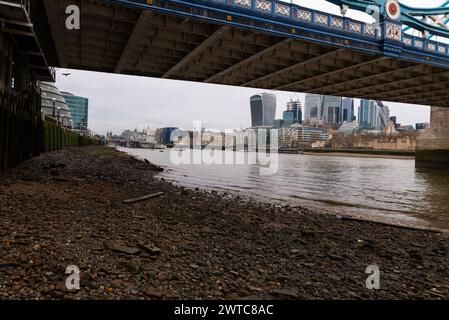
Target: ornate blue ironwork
(416, 18)
(287, 19)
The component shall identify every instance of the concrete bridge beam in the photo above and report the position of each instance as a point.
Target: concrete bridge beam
(433, 144)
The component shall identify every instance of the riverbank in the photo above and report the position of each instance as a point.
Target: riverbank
(367, 153)
(358, 155)
(67, 208)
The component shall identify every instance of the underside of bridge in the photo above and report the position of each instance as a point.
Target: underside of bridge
(119, 39)
(130, 40)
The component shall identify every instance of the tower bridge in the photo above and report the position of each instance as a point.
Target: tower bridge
(267, 44)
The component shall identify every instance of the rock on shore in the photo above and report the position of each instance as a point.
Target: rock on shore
(66, 208)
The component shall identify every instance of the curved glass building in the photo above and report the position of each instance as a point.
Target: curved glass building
(54, 105)
(263, 110)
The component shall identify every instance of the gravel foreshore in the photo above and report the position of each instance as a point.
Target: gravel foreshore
(66, 208)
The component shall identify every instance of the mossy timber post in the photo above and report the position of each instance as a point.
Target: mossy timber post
(23, 132)
(20, 127)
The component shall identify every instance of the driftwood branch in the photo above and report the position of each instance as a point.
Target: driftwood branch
(394, 225)
(143, 198)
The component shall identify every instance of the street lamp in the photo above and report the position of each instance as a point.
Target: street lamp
(54, 107)
(59, 112)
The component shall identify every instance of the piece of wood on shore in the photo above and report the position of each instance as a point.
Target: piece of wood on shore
(143, 198)
(394, 225)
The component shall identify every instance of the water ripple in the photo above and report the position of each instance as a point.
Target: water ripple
(390, 188)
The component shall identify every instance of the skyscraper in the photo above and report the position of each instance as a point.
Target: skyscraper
(79, 108)
(384, 116)
(331, 110)
(263, 110)
(367, 114)
(295, 108)
(320, 109)
(312, 108)
(387, 115)
(373, 115)
(348, 110)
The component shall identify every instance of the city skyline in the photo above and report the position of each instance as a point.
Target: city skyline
(151, 102)
(106, 114)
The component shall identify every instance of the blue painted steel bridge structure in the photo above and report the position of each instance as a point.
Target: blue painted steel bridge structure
(267, 44)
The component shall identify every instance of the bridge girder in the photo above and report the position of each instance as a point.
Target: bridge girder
(134, 41)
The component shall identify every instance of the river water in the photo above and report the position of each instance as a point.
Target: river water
(385, 189)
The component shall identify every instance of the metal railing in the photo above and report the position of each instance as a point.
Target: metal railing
(281, 9)
(294, 12)
(26, 4)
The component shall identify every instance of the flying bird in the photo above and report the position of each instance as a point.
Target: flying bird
(66, 74)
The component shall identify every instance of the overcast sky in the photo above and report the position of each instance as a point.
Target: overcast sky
(118, 102)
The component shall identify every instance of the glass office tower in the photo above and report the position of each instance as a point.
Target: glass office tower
(263, 110)
(295, 108)
(312, 107)
(79, 107)
(373, 115)
(348, 114)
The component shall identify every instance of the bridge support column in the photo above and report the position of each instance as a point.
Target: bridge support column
(433, 144)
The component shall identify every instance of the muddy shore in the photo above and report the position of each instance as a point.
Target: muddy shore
(66, 208)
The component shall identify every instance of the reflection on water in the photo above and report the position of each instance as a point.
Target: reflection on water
(389, 189)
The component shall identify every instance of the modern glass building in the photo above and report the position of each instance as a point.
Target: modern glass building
(331, 110)
(263, 110)
(54, 105)
(348, 114)
(79, 107)
(384, 115)
(367, 114)
(333, 115)
(295, 108)
(164, 135)
(373, 115)
(321, 109)
(312, 108)
(288, 116)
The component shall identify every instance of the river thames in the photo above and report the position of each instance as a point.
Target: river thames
(391, 190)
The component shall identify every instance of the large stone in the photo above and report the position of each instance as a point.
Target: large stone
(154, 294)
(133, 266)
(150, 249)
(126, 250)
